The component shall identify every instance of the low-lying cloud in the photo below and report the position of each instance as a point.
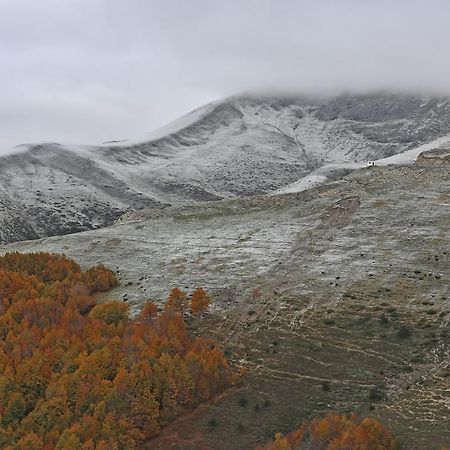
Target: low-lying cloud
(94, 70)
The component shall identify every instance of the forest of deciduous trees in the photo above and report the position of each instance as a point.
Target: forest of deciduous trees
(79, 376)
(336, 432)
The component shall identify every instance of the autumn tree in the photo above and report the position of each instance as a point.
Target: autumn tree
(200, 301)
(110, 312)
(148, 312)
(177, 301)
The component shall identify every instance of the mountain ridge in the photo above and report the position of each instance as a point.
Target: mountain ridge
(237, 147)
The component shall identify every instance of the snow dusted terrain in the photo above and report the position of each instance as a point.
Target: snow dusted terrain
(237, 147)
(335, 171)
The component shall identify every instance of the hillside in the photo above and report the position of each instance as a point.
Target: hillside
(334, 298)
(241, 146)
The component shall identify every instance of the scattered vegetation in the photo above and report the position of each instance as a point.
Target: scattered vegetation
(79, 376)
(243, 401)
(212, 423)
(376, 393)
(404, 332)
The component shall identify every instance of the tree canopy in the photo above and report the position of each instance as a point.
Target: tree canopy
(75, 375)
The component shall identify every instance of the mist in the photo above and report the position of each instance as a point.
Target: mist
(88, 71)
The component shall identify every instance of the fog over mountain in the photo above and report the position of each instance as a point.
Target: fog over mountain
(87, 71)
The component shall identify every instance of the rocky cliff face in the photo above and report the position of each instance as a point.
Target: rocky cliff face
(241, 146)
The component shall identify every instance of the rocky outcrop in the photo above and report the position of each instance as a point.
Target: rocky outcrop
(438, 157)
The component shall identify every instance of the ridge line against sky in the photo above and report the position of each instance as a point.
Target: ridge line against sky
(88, 71)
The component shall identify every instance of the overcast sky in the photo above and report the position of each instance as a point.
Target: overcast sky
(86, 71)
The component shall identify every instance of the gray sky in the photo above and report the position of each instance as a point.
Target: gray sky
(85, 71)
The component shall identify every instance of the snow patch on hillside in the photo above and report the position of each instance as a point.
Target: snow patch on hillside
(328, 173)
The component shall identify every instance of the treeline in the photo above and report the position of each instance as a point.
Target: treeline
(79, 376)
(336, 432)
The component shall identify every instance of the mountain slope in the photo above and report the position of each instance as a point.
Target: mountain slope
(237, 147)
(335, 298)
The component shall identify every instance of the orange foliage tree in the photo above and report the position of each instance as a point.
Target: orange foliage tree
(80, 376)
(200, 301)
(177, 301)
(336, 432)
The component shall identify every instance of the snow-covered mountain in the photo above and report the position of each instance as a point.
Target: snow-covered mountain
(240, 146)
